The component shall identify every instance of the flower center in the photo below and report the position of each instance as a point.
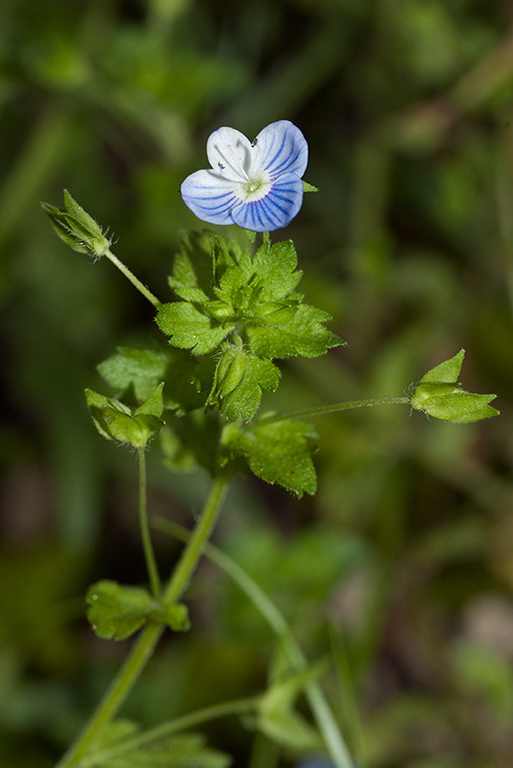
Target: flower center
(256, 187)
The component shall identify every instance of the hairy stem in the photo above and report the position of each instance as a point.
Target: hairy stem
(133, 279)
(325, 409)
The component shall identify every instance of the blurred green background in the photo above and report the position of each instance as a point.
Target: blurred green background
(402, 566)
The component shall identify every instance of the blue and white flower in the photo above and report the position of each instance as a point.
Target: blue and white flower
(257, 185)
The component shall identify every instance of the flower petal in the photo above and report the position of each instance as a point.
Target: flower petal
(273, 211)
(230, 153)
(210, 196)
(284, 148)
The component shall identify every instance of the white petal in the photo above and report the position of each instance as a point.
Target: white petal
(211, 196)
(284, 148)
(231, 154)
(273, 211)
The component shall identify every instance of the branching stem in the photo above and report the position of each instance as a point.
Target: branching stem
(150, 635)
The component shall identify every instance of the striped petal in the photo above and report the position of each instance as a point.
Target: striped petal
(210, 196)
(273, 211)
(284, 148)
(230, 153)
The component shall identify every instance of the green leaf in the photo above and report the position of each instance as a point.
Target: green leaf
(115, 732)
(292, 331)
(141, 369)
(190, 328)
(180, 751)
(187, 379)
(192, 267)
(76, 227)
(280, 452)
(224, 291)
(275, 268)
(239, 380)
(116, 612)
(226, 253)
(439, 395)
(115, 421)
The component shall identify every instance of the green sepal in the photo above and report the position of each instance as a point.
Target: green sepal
(309, 187)
(76, 227)
(439, 395)
(239, 380)
(446, 372)
(115, 421)
(280, 452)
(115, 612)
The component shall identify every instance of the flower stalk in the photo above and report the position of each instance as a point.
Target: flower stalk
(149, 554)
(133, 279)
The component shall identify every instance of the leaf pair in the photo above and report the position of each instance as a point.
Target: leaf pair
(115, 612)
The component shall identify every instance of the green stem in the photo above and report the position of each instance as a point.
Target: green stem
(115, 695)
(334, 408)
(324, 717)
(226, 708)
(145, 645)
(192, 552)
(149, 554)
(133, 279)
